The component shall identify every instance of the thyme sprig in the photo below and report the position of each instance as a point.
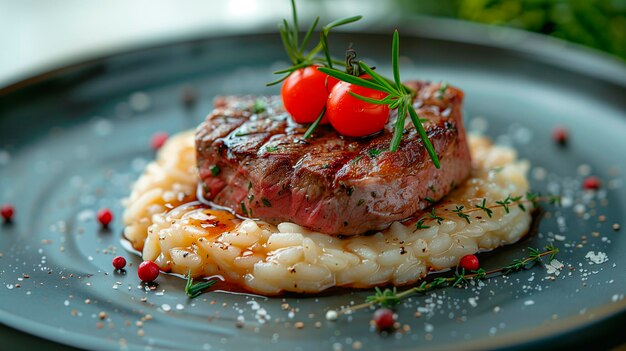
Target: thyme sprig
(296, 50)
(532, 199)
(194, 290)
(399, 97)
(390, 296)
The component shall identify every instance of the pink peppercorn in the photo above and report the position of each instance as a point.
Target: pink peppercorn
(560, 135)
(384, 319)
(7, 212)
(105, 216)
(158, 139)
(592, 183)
(148, 271)
(469, 263)
(119, 262)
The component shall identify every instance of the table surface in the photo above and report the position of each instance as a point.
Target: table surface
(43, 35)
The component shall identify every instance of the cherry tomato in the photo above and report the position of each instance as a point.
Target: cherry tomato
(305, 93)
(354, 117)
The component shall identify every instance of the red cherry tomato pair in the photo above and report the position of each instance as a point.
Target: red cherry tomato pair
(306, 91)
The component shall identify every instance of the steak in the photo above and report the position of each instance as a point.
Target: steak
(253, 159)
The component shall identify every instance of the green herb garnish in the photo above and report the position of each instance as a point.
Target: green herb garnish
(506, 204)
(215, 170)
(258, 107)
(194, 290)
(373, 152)
(399, 97)
(391, 297)
(420, 224)
(296, 50)
(442, 89)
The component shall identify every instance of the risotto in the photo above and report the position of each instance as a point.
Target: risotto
(165, 221)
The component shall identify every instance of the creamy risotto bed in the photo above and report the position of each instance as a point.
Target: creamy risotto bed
(165, 221)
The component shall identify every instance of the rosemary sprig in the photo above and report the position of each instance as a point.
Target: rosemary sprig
(194, 290)
(399, 97)
(296, 50)
(391, 297)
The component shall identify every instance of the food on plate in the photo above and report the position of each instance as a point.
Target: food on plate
(259, 165)
(180, 234)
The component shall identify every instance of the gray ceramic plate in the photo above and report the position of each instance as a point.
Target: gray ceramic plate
(73, 140)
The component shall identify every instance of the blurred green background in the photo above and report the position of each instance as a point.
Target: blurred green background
(599, 24)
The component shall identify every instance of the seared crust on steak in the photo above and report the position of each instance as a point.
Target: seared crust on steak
(258, 164)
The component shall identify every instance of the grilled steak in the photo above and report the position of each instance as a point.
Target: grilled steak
(253, 159)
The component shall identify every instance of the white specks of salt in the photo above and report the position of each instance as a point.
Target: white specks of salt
(429, 328)
(529, 303)
(86, 215)
(472, 301)
(579, 209)
(66, 303)
(560, 221)
(539, 173)
(567, 201)
(597, 258)
(496, 309)
(165, 307)
(554, 267)
(10, 286)
(180, 307)
(331, 315)
(558, 237)
(261, 314)
(140, 101)
(617, 297)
